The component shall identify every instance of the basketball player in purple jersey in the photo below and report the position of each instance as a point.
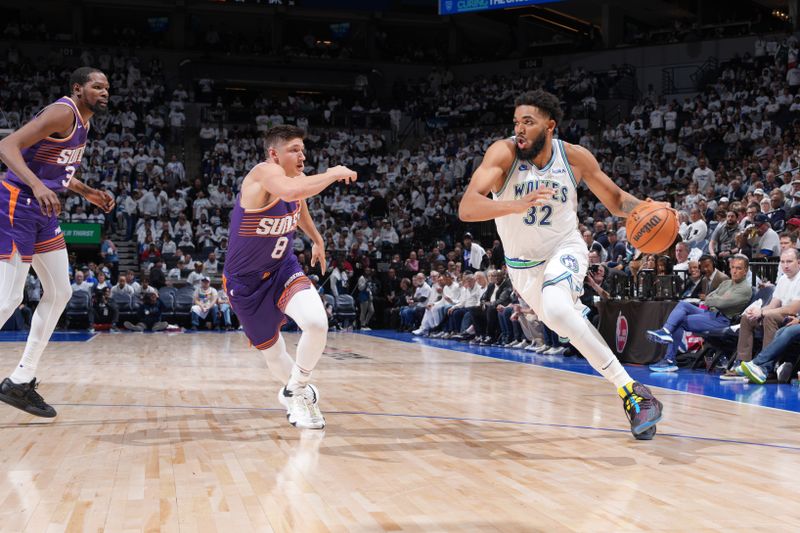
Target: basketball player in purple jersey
(43, 157)
(263, 277)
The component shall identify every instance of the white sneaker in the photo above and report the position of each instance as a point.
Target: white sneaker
(301, 409)
(533, 347)
(418, 332)
(555, 350)
(521, 344)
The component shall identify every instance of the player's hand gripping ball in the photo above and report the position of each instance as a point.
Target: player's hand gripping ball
(652, 227)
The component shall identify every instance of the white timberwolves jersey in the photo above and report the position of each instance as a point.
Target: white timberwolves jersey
(533, 237)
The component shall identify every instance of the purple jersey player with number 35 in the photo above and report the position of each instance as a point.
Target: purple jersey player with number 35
(43, 157)
(263, 278)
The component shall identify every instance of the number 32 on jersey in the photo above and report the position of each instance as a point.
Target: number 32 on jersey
(538, 216)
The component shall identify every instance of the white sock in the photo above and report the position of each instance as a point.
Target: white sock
(53, 271)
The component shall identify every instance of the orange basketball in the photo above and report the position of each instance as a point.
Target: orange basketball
(652, 227)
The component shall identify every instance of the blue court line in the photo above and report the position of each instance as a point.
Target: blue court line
(444, 418)
(775, 396)
(58, 336)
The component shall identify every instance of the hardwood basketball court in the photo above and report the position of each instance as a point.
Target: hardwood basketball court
(184, 432)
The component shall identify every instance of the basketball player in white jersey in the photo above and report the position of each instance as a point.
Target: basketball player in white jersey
(533, 179)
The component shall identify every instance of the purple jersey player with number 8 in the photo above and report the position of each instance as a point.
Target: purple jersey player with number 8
(263, 278)
(43, 157)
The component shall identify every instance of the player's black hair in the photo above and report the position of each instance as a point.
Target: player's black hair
(546, 102)
(81, 76)
(282, 134)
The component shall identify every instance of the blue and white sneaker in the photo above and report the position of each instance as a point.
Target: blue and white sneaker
(659, 336)
(665, 365)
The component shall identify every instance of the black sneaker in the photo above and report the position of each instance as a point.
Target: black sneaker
(641, 407)
(25, 397)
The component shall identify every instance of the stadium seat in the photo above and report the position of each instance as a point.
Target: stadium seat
(345, 309)
(166, 295)
(77, 310)
(125, 305)
(184, 299)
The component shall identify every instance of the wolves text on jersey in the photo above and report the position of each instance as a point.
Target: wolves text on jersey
(521, 189)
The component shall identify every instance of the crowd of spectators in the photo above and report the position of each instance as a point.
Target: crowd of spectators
(725, 158)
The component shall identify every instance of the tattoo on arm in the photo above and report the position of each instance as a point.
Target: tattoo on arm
(629, 204)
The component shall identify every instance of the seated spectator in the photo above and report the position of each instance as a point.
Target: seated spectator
(102, 282)
(694, 285)
(224, 310)
(723, 240)
(473, 254)
(682, 251)
(762, 238)
(412, 312)
(211, 265)
(497, 293)
(105, 313)
(435, 310)
(593, 290)
(785, 302)
(157, 275)
(130, 276)
(149, 314)
(205, 304)
(197, 275)
(760, 368)
(146, 288)
(122, 287)
(728, 301)
(81, 285)
(459, 317)
(712, 276)
(150, 254)
(176, 273)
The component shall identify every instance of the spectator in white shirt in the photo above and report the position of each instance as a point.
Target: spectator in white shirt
(211, 265)
(80, 284)
(122, 287)
(196, 275)
(703, 175)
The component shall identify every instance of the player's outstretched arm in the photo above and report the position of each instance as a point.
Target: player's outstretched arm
(55, 119)
(274, 181)
(475, 206)
(306, 223)
(101, 199)
(586, 167)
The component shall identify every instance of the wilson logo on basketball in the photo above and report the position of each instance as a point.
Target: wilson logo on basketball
(622, 332)
(648, 226)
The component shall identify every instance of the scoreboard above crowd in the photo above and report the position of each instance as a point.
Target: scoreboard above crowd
(454, 7)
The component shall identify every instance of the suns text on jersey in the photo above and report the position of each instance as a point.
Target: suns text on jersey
(274, 227)
(527, 187)
(70, 156)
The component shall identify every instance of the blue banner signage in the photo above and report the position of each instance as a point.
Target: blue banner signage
(454, 7)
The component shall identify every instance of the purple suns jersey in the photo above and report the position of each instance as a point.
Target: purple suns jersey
(54, 161)
(260, 239)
